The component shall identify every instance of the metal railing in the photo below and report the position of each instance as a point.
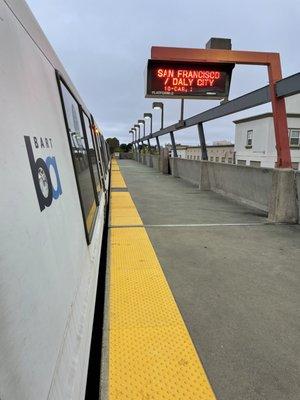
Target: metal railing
(284, 88)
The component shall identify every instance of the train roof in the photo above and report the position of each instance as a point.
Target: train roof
(24, 15)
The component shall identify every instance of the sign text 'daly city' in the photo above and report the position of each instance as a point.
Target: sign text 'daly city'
(187, 79)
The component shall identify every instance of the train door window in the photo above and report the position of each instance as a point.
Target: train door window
(103, 151)
(82, 169)
(92, 152)
(102, 158)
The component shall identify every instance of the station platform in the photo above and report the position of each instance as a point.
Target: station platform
(202, 295)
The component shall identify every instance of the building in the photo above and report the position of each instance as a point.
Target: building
(255, 140)
(222, 151)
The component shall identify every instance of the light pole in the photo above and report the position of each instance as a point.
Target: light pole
(138, 127)
(132, 132)
(142, 122)
(134, 146)
(159, 106)
(149, 116)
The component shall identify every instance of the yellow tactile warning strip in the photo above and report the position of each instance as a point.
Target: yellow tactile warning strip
(114, 165)
(117, 180)
(123, 209)
(151, 355)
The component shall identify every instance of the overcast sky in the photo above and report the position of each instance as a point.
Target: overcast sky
(104, 45)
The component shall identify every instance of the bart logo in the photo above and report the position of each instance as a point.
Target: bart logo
(41, 173)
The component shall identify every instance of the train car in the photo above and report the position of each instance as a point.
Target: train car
(54, 173)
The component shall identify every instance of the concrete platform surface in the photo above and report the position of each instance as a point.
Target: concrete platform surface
(235, 279)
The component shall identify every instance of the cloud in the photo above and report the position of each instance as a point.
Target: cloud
(104, 46)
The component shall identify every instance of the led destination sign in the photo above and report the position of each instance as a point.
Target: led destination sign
(180, 79)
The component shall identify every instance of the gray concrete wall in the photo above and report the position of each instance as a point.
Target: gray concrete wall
(248, 185)
(274, 191)
(126, 156)
(189, 170)
(156, 162)
(149, 162)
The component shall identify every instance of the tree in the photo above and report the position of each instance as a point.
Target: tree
(125, 147)
(113, 144)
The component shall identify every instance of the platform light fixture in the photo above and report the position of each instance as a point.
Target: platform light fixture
(142, 122)
(136, 126)
(159, 106)
(132, 132)
(149, 116)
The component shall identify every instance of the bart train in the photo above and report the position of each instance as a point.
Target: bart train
(54, 175)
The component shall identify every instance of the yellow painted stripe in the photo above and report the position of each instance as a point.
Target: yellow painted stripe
(117, 180)
(151, 355)
(123, 210)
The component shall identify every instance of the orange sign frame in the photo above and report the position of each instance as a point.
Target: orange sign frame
(271, 60)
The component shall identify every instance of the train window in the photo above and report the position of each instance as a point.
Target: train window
(104, 152)
(102, 149)
(101, 161)
(92, 151)
(79, 145)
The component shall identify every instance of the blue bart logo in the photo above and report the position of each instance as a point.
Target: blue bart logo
(40, 170)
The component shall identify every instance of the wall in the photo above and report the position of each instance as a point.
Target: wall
(149, 162)
(248, 185)
(156, 162)
(189, 170)
(126, 156)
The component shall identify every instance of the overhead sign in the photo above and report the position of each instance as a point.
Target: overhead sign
(186, 79)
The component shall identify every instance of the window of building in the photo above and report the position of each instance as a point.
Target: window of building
(295, 165)
(249, 138)
(255, 163)
(241, 162)
(295, 137)
(211, 159)
(198, 157)
(80, 150)
(229, 160)
(217, 159)
(223, 159)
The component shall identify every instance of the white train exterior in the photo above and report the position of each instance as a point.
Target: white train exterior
(54, 168)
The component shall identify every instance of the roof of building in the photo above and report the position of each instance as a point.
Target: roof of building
(261, 116)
